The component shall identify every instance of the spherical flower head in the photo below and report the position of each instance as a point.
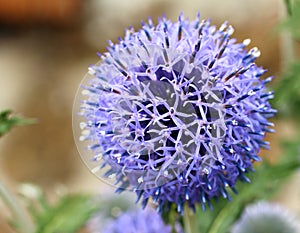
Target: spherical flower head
(139, 221)
(177, 112)
(264, 217)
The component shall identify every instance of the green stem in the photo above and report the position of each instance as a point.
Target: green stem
(24, 224)
(190, 221)
(288, 5)
(287, 43)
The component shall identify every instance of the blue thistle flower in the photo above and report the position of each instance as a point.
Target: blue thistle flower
(177, 112)
(266, 217)
(141, 221)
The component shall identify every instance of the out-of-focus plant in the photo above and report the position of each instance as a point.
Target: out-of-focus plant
(68, 215)
(19, 217)
(265, 217)
(292, 22)
(287, 90)
(7, 122)
(141, 221)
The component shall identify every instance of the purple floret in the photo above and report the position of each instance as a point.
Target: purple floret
(178, 111)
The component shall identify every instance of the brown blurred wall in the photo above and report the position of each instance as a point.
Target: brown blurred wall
(56, 12)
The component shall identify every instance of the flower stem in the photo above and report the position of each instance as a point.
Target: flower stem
(288, 5)
(190, 221)
(23, 223)
(287, 44)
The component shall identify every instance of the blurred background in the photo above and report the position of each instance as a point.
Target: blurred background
(45, 49)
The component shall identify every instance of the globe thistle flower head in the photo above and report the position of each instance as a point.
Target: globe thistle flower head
(177, 112)
(140, 221)
(264, 217)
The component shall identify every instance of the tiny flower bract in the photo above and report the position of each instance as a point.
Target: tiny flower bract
(177, 112)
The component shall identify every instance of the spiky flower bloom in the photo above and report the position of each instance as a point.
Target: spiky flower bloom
(139, 221)
(264, 217)
(177, 111)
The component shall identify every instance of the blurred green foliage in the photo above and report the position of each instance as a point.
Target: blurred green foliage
(292, 22)
(67, 216)
(7, 122)
(287, 91)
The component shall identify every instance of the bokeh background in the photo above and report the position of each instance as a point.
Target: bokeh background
(45, 49)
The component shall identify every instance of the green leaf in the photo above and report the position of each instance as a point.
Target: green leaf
(265, 183)
(68, 216)
(7, 121)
